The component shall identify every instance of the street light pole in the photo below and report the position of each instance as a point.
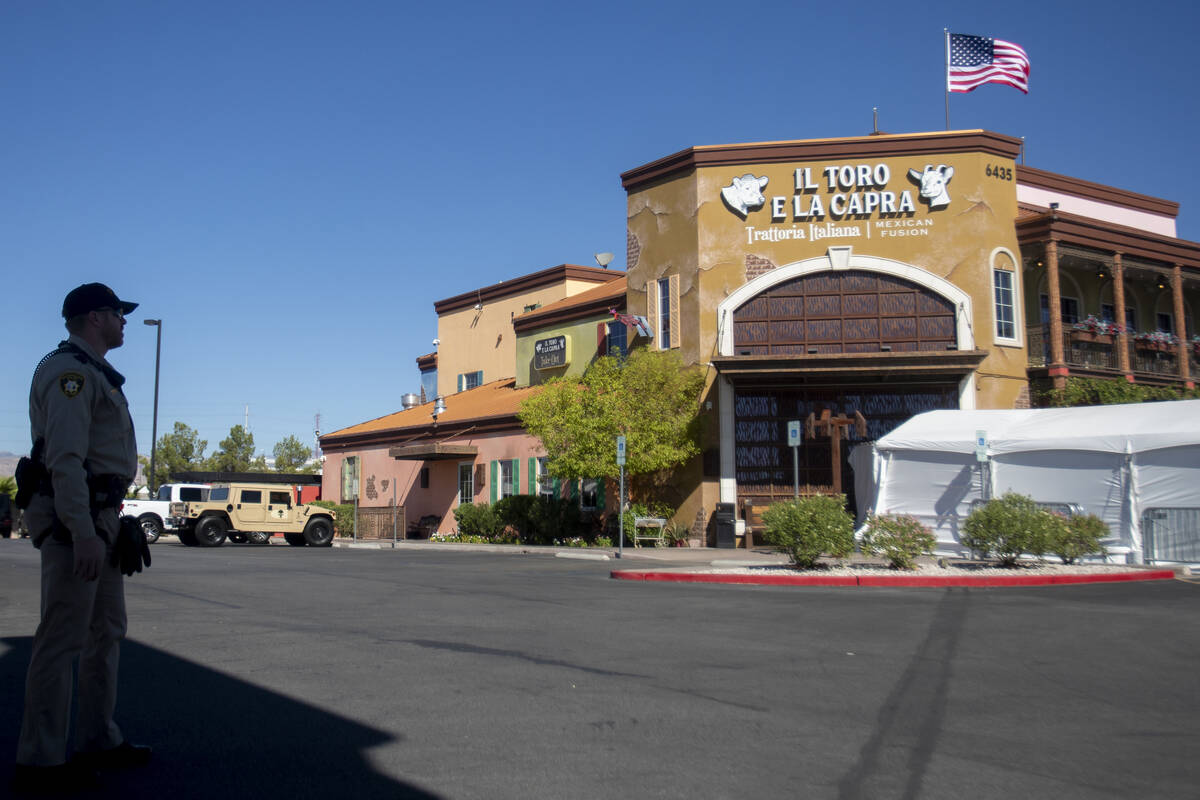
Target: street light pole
(157, 323)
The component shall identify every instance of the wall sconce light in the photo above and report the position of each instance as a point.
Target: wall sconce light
(1161, 283)
(1101, 274)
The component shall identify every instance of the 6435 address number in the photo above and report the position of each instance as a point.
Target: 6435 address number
(1001, 173)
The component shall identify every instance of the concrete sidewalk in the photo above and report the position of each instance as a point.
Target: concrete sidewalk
(647, 556)
(757, 565)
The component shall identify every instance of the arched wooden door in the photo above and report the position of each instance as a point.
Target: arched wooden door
(843, 311)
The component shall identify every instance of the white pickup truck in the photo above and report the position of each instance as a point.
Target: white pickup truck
(152, 515)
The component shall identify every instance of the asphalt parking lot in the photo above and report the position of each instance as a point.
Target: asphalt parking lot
(299, 672)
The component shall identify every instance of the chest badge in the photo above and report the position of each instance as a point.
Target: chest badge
(71, 383)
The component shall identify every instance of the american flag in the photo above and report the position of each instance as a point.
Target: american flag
(976, 60)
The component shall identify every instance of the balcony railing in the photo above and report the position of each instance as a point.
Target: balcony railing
(1092, 351)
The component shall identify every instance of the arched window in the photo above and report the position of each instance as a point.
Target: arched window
(1005, 308)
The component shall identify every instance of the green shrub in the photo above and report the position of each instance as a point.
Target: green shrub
(1008, 527)
(1077, 537)
(543, 520)
(676, 533)
(560, 517)
(477, 519)
(809, 527)
(1105, 391)
(898, 538)
(516, 512)
(343, 516)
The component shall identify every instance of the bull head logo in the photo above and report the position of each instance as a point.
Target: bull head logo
(744, 194)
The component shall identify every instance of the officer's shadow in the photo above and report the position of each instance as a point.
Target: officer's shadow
(215, 736)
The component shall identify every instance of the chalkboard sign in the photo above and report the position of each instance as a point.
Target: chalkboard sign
(550, 353)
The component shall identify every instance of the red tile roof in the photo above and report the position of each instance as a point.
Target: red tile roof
(492, 402)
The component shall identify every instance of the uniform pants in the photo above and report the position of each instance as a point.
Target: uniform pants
(79, 619)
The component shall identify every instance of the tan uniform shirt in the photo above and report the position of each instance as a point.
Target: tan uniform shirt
(85, 420)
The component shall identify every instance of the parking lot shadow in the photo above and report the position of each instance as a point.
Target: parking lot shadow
(215, 735)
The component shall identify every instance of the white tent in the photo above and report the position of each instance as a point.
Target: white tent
(1137, 467)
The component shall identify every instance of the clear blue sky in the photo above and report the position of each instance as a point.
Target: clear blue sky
(291, 185)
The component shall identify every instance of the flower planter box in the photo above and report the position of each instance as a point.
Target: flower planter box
(1088, 337)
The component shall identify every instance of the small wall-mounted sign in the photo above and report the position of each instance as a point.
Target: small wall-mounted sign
(551, 353)
(793, 433)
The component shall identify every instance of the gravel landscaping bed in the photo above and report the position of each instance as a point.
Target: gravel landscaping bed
(962, 569)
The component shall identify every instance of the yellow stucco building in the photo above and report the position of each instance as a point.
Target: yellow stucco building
(868, 279)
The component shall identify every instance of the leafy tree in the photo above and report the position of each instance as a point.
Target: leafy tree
(292, 455)
(649, 398)
(178, 451)
(8, 486)
(236, 453)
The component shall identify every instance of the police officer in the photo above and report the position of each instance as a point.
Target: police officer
(79, 416)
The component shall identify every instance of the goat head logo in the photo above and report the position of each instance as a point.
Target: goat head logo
(933, 184)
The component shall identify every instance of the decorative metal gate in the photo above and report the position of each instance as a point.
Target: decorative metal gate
(1171, 534)
(764, 461)
(381, 523)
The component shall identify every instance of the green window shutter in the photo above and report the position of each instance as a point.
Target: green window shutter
(516, 470)
(574, 495)
(462, 381)
(556, 488)
(600, 493)
(494, 488)
(479, 378)
(533, 481)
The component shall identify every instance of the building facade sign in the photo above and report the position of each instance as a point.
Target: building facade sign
(552, 353)
(841, 201)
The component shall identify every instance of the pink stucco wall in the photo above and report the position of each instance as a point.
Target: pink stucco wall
(441, 497)
(1121, 215)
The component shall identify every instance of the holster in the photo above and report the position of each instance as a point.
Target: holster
(104, 492)
(32, 476)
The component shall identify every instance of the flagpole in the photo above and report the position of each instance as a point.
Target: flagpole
(946, 31)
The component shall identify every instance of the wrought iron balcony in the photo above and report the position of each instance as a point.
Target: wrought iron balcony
(1097, 352)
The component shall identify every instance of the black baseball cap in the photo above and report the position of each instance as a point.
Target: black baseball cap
(92, 296)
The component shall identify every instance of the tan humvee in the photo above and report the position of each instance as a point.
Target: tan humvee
(251, 512)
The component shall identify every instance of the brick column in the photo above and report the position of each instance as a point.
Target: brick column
(1122, 339)
(1184, 345)
(1058, 365)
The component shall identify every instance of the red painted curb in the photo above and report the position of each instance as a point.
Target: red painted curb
(915, 581)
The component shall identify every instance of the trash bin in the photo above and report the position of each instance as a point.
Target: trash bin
(726, 525)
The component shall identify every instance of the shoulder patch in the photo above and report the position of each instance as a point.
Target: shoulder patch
(71, 383)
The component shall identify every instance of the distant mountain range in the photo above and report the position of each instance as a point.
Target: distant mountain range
(8, 464)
